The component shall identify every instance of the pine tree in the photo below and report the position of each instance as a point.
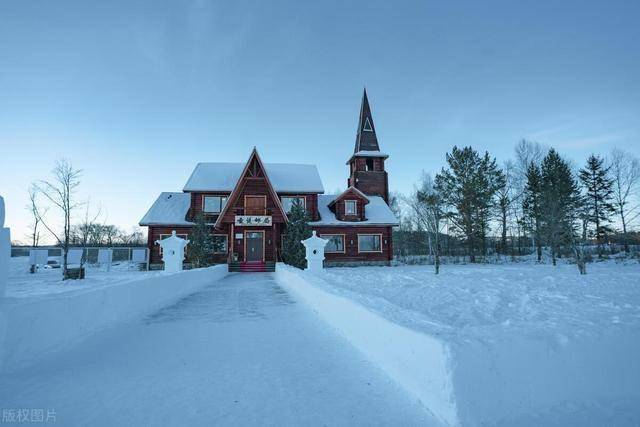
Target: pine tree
(532, 205)
(201, 244)
(598, 195)
(298, 229)
(559, 203)
(469, 186)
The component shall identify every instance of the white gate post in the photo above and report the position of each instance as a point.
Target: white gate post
(5, 258)
(5, 251)
(314, 248)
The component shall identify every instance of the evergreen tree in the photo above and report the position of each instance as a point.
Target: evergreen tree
(469, 186)
(559, 202)
(598, 195)
(298, 229)
(201, 244)
(532, 205)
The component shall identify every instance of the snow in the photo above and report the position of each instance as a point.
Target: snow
(44, 314)
(284, 177)
(377, 212)
(47, 281)
(528, 344)
(169, 208)
(240, 351)
(364, 153)
(417, 362)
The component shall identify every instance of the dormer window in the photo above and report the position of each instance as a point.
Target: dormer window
(350, 207)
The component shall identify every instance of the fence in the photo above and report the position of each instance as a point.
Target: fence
(90, 254)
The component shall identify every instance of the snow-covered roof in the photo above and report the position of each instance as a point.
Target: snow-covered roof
(370, 154)
(377, 212)
(351, 189)
(285, 177)
(363, 153)
(168, 209)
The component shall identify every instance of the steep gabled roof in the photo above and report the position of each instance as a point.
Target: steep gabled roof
(285, 177)
(233, 197)
(350, 190)
(366, 139)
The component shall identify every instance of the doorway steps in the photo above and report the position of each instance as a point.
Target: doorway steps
(252, 266)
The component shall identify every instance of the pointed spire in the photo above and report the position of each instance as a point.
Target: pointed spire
(366, 139)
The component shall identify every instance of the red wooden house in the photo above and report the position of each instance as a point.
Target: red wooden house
(248, 204)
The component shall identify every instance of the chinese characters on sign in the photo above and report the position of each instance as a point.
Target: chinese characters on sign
(253, 220)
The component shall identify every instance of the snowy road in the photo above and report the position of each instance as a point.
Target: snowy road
(239, 352)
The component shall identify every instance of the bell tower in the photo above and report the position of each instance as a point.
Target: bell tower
(366, 165)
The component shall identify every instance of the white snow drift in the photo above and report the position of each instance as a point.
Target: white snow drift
(37, 325)
(526, 344)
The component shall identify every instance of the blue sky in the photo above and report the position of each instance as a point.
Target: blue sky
(136, 92)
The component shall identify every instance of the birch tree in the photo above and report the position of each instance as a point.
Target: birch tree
(60, 192)
(625, 172)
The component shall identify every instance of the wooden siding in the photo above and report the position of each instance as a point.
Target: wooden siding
(351, 253)
(253, 186)
(155, 232)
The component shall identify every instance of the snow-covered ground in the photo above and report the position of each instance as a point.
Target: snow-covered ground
(239, 352)
(46, 281)
(529, 344)
(480, 301)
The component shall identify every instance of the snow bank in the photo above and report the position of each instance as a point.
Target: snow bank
(417, 362)
(528, 344)
(43, 324)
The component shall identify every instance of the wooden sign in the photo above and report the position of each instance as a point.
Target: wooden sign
(253, 220)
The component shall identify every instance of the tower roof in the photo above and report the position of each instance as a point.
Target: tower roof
(366, 139)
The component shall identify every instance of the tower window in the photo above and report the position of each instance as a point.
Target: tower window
(367, 125)
(369, 165)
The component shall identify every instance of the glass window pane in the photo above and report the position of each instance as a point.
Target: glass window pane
(214, 204)
(336, 243)
(350, 207)
(369, 243)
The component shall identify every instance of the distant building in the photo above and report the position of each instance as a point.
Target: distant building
(248, 205)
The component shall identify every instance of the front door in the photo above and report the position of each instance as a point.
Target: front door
(254, 241)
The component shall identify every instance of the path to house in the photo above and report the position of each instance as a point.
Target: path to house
(239, 352)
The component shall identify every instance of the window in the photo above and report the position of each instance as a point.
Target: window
(220, 243)
(369, 243)
(367, 125)
(369, 164)
(255, 205)
(350, 207)
(213, 204)
(164, 236)
(288, 202)
(336, 243)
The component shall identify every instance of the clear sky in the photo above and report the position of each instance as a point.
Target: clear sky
(137, 92)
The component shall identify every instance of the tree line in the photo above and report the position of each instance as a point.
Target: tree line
(537, 200)
(54, 208)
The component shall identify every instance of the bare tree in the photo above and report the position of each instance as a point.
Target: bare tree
(111, 233)
(36, 211)
(136, 237)
(427, 206)
(625, 171)
(85, 229)
(60, 193)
